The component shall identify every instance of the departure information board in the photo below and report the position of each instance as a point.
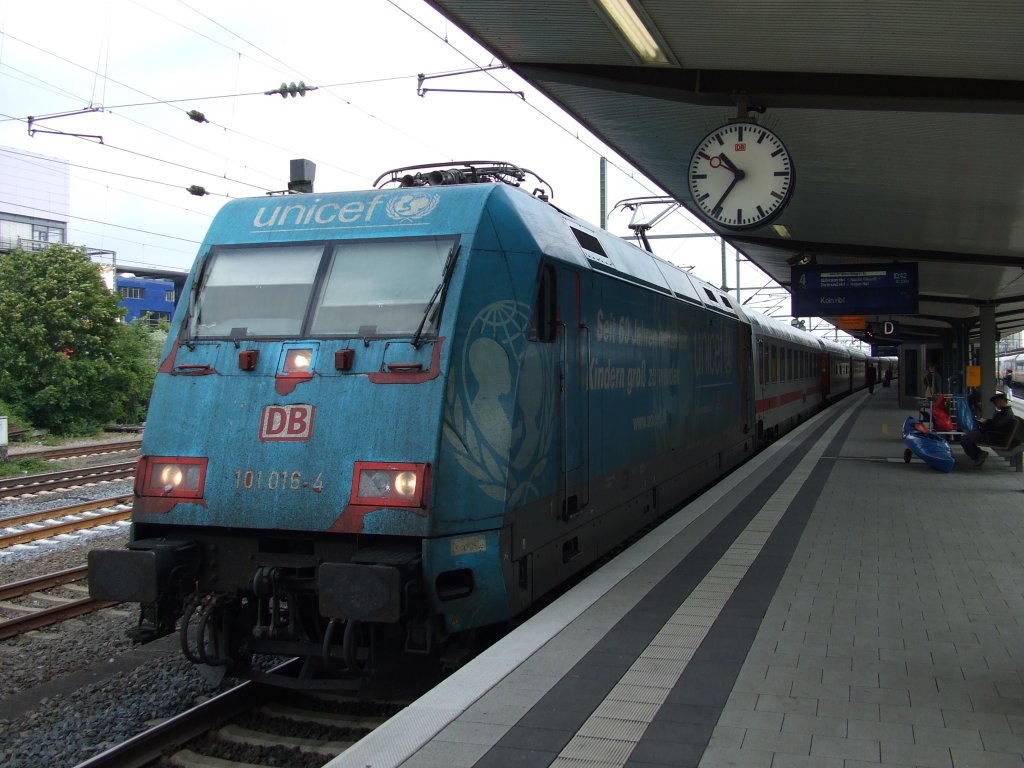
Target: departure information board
(862, 289)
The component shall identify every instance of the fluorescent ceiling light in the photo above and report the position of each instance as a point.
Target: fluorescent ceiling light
(782, 230)
(639, 37)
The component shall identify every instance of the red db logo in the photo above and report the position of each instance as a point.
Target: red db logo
(741, 146)
(281, 423)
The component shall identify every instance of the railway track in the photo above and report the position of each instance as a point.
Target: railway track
(253, 724)
(37, 618)
(56, 521)
(49, 481)
(58, 524)
(55, 454)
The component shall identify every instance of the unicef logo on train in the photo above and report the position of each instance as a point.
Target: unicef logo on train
(412, 205)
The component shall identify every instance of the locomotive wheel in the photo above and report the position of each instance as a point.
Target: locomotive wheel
(906, 455)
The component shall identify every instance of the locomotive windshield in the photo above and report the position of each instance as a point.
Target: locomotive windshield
(346, 288)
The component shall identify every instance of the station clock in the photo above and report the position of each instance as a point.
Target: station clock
(741, 175)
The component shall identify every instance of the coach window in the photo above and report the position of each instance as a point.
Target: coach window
(775, 365)
(760, 362)
(544, 320)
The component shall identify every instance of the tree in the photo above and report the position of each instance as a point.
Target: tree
(67, 363)
(137, 352)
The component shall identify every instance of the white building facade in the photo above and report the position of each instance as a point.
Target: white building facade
(35, 200)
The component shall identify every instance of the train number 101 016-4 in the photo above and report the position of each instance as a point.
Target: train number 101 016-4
(275, 480)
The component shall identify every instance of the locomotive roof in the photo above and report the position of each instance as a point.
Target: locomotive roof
(589, 246)
(386, 212)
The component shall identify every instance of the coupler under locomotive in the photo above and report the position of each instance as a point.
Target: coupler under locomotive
(333, 615)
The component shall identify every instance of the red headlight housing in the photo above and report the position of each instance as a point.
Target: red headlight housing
(176, 477)
(383, 484)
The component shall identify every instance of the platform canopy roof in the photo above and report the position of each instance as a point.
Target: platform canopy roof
(904, 118)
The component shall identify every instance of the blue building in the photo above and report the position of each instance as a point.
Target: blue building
(152, 298)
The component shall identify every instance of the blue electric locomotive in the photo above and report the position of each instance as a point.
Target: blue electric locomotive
(412, 411)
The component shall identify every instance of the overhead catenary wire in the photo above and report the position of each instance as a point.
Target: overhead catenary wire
(311, 80)
(105, 223)
(104, 76)
(41, 84)
(124, 149)
(575, 134)
(172, 163)
(155, 101)
(39, 160)
(626, 172)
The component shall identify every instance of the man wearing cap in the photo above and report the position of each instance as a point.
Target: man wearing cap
(992, 430)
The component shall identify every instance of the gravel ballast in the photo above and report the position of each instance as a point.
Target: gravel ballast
(73, 690)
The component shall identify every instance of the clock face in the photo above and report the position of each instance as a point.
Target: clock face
(741, 176)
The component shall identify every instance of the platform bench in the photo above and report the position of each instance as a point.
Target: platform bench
(1012, 447)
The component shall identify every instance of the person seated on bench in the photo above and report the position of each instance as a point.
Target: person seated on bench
(992, 431)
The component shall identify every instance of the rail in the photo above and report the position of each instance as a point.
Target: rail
(80, 450)
(156, 741)
(48, 481)
(44, 618)
(47, 581)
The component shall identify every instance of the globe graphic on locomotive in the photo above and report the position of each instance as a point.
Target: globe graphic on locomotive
(500, 404)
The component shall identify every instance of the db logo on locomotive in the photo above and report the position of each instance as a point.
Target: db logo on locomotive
(279, 423)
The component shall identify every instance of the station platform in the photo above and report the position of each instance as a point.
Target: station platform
(826, 605)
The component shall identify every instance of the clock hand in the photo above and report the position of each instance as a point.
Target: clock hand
(728, 189)
(737, 175)
(728, 164)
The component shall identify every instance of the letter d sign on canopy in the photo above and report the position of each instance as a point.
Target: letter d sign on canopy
(885, 328)
(284, 423)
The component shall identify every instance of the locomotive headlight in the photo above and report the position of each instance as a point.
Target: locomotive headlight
(389, 485)
(298, 360)
(171, 476)
(405, 484)
(178, 476)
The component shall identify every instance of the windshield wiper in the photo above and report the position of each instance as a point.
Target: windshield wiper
(449, 264)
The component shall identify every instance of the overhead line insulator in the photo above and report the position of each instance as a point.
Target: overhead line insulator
(291, 89)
